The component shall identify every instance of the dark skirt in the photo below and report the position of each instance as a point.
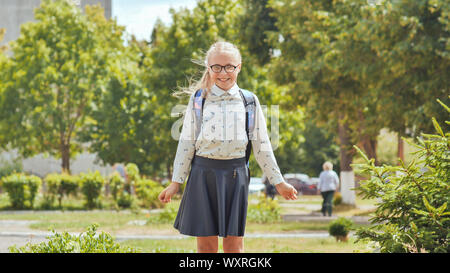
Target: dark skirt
(215, 198)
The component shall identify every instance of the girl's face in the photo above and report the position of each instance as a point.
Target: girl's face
(224, 79)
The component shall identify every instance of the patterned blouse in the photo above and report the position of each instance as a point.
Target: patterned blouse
(223, 136)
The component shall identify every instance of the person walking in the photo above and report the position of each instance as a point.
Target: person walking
(328, 184)
(221, 124)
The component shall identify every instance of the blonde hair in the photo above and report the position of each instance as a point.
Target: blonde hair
(205, 81)
(327, 166)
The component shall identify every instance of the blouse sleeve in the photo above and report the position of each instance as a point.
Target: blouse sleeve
(186, 146)
(262, 148)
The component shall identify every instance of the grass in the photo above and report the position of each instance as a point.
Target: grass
(256, 245)
(120, 223)
(123, 222)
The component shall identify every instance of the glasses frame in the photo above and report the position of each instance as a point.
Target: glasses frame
(222, 67)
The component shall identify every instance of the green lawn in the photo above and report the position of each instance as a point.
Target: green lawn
(124, 222)
(257, 245)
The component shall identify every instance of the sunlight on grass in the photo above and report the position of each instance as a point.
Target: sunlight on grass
(256, 245)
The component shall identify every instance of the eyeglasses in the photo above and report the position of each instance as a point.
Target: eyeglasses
(217, 68)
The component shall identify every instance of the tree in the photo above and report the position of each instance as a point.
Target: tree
(321, 62)
(119, 128)
(254, 25)
(412, 214)
(59, 66)
(410, 40)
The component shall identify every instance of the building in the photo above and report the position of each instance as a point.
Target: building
(13, 13)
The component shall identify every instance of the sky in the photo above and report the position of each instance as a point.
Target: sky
(139, 16)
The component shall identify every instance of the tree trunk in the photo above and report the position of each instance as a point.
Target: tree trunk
(369, 145)
(65, 157)
(346, 156)
(400, 148)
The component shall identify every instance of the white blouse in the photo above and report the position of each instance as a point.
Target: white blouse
(223, 136)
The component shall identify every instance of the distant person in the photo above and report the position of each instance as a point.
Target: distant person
(328, 184)
(120, 168)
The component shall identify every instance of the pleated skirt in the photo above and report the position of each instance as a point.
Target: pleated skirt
(215, 198)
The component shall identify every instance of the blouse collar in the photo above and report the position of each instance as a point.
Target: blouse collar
(219, 91)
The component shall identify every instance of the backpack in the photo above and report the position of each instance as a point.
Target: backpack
(250, 105)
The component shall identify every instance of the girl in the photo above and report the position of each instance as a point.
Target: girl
(214, 202)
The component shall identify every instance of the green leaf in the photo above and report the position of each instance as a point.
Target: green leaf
(362, 154)
(427, 205)
(443, 105)
(442, 208)
(438, 128)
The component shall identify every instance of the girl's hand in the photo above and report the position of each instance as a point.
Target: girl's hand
(287, 191)
(166, 195)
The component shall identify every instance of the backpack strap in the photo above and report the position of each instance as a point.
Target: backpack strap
(199, 101)
(250, 106)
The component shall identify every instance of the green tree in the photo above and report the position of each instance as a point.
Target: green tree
(119, 128)
(412, 212)
(410, 42)
(254, 25)
(320, 62)
(59, 65)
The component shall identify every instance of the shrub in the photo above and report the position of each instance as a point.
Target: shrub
(91, 186)
(10, 167)
(167, 215)
(340, 228)
(87, 242)
(126, 200)
(147, 191)
(59, 185)
(337, 200)
(412, 214)
(265, 211)
(133, 176)
(116, 184)
(21, 189)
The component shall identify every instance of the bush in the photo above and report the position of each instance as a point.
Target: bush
(340, 228)
(265, 211)
(133, 176)
(167, 215)
(88, 242)
(412, 214)
(126, 201)
(91, 186)
(116, 184)
(337, 200)
(147, 191)
(21, 189)
(58, 186)
(10, 167)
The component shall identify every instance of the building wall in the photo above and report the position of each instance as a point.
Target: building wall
(13, 13)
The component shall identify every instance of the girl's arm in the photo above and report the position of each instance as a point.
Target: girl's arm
(262, 148)
(186, 146)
